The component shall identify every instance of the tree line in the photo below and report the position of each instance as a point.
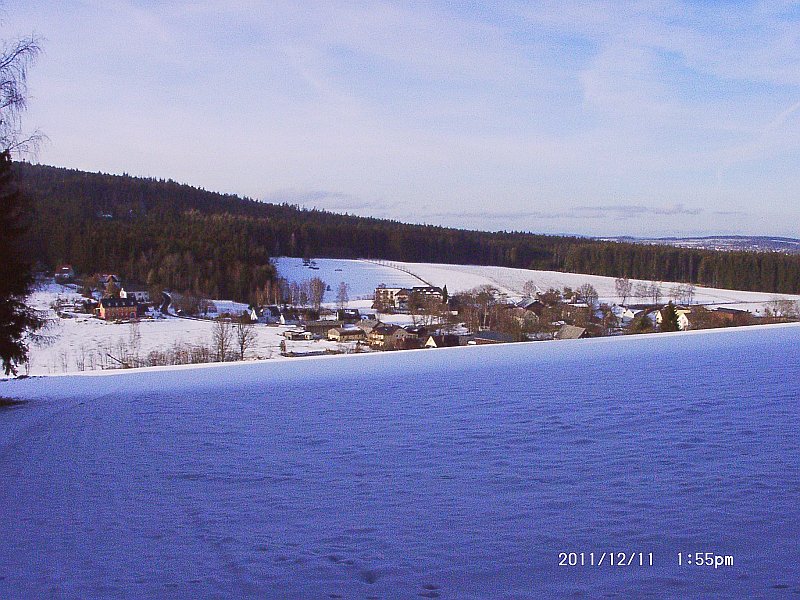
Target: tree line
(164, 234)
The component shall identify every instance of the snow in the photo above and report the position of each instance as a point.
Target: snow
(364, 276)
(361, 275)
(452, 473)
(88, 341)
(229, 307)
(511, 281)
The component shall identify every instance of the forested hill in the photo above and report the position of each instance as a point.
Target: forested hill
(164, 234)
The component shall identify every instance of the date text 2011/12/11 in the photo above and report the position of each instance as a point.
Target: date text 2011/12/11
(704, 559)
(612, 559)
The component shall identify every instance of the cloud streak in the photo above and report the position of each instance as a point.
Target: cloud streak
(622, 211)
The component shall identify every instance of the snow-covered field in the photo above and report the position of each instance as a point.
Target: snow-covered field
(511, 281)
(85, 341)
(453, 473)
(362, 276)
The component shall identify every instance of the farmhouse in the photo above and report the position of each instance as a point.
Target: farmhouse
(683, 317)
(367, 325)
(734, 316)
(266, 314)
(533, 305)
(389, 337)
(347, 333)
(387, 297)
(428, 291)
(623, 314)
(296, 334)
(64, 274)
(442, 341)
(348, 315)
(111, 309)
(139, 294)
(321, 328)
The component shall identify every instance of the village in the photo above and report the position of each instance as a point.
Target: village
(299, 318)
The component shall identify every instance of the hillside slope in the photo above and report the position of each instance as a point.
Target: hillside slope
(166, 234)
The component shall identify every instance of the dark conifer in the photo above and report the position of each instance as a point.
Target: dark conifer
(16, 318)
(669, 318)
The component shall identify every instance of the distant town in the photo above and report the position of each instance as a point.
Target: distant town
(312, 317)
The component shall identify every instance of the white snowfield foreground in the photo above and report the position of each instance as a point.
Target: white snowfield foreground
(454, 473)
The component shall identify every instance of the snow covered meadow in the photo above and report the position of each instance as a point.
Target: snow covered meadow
(452, 473)
(364, 276)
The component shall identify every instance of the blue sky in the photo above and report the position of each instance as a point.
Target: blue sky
(591, 117)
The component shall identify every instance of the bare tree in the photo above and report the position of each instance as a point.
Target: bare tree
(293, 293)
(784, 308)
(189, 304)
(317, 289)
(655, 291)
(529, 289)
(624, 288)
(587, 293)
(682, 293)
(305, 293)
(80, 358)
(641, 290)
(15, 58)
(18, 321)
(222, 339)
(245, 336)
(134, 343)
(608, 321)
(427, 311)
(342, 295)
(688, 293)
(648, 291)
(478, 307)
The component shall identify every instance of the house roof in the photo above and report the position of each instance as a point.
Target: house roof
(494, 336)
(528, 303)
(416, 329)
(347, 330)
(385, 329)
(296, 332)
(118, 302)
(731, 311)
(570, 332)
(443, 341)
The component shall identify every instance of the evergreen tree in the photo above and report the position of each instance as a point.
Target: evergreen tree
(641, 324)
(16, 318)
(669, 318)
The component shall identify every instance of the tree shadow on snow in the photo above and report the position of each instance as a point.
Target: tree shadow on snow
(11, 402)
